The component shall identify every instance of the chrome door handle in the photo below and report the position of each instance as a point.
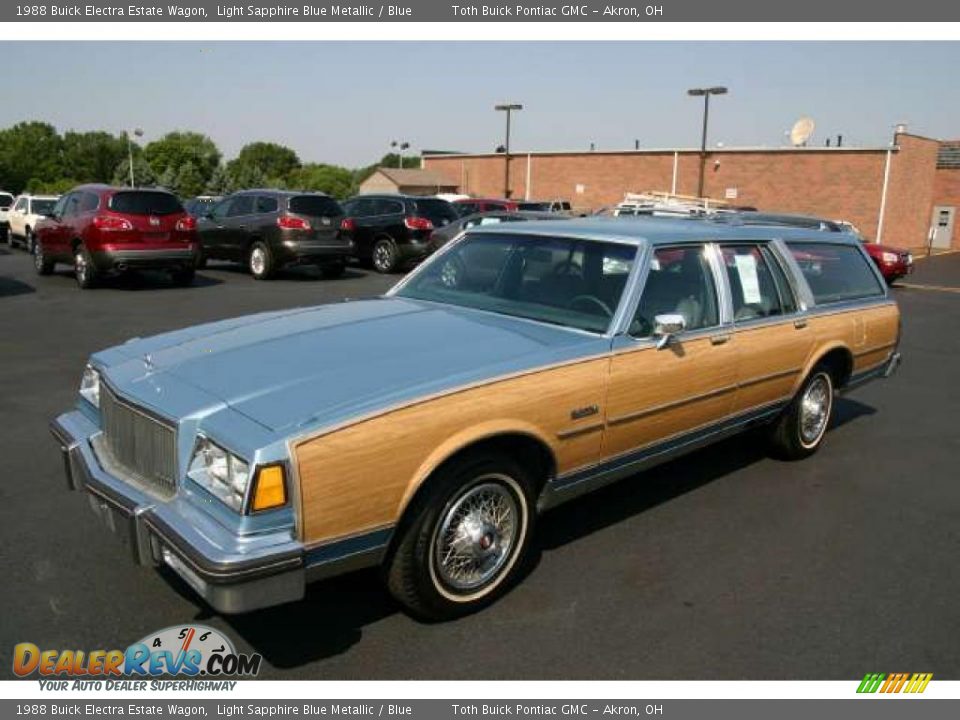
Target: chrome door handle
(799, 324)
(719, 339)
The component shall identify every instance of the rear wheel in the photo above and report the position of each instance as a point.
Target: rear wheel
(40, 262)
(799, 431)
(385, 256)
(260, 261)
(466, 537)
(83, 268)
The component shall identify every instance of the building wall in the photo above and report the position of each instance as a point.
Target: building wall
(842, 184)
(378, 183)
(946, 191)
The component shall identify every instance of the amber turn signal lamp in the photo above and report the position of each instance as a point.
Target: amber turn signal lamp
(270, 490)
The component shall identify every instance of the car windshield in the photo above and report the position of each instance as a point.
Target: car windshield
(439, 212)
(42, 207)
(561, 281)
(149, 202)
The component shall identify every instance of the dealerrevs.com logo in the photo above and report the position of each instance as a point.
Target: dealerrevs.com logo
(182, 650)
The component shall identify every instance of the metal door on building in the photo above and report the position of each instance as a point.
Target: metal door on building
(941, 228)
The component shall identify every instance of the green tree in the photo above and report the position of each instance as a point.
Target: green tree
(176, 149)
(36, 186)
(168, 178)
(331, 179)
(219, 182)
(143, 173)
(248, 176)
(189, 182)
(93, 156)
(270, 159)
(29, 150)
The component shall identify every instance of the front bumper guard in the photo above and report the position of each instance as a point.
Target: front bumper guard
(197, 548)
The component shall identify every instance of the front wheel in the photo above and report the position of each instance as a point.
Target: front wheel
(466, 537)
(261, 261)
(41, 264)
(799, 431)
(29, 242)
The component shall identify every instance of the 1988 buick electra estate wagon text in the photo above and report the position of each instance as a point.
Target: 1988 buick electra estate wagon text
(423, 431)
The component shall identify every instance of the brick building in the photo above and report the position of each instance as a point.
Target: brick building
(890, 193)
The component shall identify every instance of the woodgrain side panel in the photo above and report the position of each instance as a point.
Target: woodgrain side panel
(358, 477)
(771, 358)
(655, 394)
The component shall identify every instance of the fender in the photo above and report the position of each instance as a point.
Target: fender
(464, 439)
(816, 355)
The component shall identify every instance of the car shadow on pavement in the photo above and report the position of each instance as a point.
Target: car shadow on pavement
(331, 617)
(10, 287)
(303, 273)
(136, 281)
(327, 622)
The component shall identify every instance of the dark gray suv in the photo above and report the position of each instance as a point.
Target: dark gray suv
(268, 229)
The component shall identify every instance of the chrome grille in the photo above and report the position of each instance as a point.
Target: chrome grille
(138, 444)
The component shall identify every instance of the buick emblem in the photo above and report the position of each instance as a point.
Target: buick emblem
(148, 362)
(154, 221)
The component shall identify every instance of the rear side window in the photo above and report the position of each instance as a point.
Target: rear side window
(138, 202)
(266, 204)
(755, 290)
(91, 201)
(439, 212)
(835, 272)
(315, 206)
(5, 201)
(386, 207)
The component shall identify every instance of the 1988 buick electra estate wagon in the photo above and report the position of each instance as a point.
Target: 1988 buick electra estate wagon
(423, 431)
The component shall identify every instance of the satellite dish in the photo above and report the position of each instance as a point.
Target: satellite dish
(801, 131)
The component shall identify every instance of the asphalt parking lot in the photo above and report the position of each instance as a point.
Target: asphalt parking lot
(722, 565)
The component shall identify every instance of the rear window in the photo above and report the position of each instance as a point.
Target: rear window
(439, 212)
(145, 203)
(315, 206)
(5, 200)
(836, 272)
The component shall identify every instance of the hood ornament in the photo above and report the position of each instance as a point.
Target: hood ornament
(148, 362)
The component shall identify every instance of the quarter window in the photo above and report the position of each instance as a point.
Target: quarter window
(21, 205)
(836, 272)
(753, 284)
(679, 283)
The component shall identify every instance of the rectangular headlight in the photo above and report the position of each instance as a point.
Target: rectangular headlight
(90, 386)
(220, 472)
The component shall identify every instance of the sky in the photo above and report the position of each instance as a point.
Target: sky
(343, 102)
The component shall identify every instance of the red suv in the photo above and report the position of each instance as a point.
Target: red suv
(101, 230)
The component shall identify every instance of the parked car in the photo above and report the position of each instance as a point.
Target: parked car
(201, 205)
(441, 237)
(101, 230)
(423, 432)
(557, 206)
(894, 263)
(471, 206)
(23, 217)
(269, 229)
(391, 231)
(6, 202)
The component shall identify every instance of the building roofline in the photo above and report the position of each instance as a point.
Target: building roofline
(670, 151)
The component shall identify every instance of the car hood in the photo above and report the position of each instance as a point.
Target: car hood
(323, 365)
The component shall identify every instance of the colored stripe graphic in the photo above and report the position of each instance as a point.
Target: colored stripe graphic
(913, 683)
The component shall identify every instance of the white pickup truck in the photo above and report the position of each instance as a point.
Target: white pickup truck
(23, 217)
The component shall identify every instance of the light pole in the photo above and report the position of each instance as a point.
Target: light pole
(139, 133)
(403, 145)
(507, 108)
(706, 93)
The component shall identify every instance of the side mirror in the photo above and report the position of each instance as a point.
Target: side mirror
(665, 327)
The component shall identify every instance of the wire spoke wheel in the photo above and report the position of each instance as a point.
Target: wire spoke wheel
(477, 535)
(815, 408)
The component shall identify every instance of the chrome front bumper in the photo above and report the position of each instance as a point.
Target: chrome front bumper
(232, 573)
